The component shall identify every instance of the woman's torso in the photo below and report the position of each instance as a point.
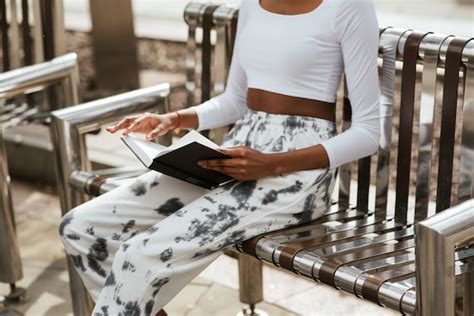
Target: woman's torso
(296, 56)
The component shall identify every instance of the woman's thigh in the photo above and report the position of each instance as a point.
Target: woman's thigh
(236, 212)
(130, 208)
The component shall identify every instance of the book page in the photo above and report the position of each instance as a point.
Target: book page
(190, 137)
(145, 150)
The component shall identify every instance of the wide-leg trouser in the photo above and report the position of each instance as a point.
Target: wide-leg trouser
(138, 245)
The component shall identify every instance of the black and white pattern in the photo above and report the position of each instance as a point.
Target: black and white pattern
(138, 245)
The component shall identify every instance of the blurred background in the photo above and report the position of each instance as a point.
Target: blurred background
(161, 32)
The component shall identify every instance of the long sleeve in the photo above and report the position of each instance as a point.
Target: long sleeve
(357, 30)
(230, 105)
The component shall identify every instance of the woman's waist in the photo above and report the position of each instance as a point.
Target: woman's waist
(275, 103)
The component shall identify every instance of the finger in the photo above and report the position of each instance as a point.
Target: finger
(233, 151)
(223, 162)
(122, 123)
(158, 131)
(232, 171)
(136, 125)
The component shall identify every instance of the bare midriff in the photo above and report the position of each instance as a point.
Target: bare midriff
(271, 102)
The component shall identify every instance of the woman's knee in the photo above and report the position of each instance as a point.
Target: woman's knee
(74, 223)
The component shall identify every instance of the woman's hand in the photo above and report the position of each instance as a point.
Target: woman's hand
(246, 163)
(153, 125)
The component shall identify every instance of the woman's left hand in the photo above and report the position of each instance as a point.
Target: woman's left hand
(246, 163)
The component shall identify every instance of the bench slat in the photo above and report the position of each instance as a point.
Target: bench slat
(389, 42)
(4, 35)
(345, 171)
(372, 284)
(448, 123)
(410, 56)
(207, 24)
(426, 122)
(191, 49)
(466, 185)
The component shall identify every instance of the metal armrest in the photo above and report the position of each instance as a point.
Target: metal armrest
(436, 241)
(69, 126)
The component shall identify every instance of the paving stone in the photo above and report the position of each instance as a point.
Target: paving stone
(187, 300)
(221, 300)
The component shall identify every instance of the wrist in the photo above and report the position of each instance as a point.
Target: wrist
(276, 164)
(175, 119)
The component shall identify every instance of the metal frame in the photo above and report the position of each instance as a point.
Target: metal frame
(437, 238)
(17, 82)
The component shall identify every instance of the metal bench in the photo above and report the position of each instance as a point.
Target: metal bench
(63, 73)
(37, 36)
(366, 243)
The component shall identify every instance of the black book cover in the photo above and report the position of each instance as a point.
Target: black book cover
(184, 161)
(181, 163)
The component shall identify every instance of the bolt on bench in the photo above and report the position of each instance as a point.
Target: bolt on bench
(396, 235)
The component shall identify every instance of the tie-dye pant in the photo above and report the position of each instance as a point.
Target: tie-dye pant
(138, 245)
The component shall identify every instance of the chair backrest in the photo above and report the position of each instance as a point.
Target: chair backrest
(426, 150)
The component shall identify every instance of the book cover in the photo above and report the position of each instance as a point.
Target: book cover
(180, 159)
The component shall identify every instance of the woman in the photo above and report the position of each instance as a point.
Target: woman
(138, 245)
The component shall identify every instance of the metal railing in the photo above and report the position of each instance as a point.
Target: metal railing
(12, 84)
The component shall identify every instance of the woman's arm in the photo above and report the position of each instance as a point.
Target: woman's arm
(220, 110)
(357, 29)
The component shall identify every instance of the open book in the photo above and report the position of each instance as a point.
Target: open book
(180, 159)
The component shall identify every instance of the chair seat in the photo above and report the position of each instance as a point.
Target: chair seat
(361, 253)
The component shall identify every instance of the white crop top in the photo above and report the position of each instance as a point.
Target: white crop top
(304, 55)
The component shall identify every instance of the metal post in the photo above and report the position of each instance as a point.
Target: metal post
(468, 295)
(436, 240)
(250, 284)
(10, 262)
(115, 47)
(14, 36)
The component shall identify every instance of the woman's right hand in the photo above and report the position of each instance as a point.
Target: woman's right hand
(151, 124)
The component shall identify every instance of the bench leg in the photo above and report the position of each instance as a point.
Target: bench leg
(82, 304)
(10, 261)
(468, 294)
(250, 284)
